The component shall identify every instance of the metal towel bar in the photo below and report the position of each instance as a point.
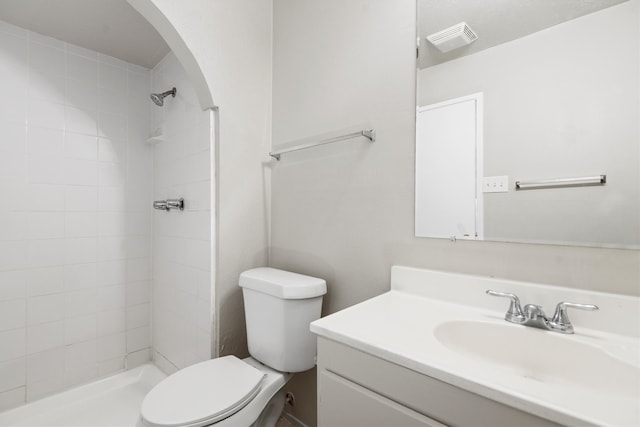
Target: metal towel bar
(585, 180)
(370, 134)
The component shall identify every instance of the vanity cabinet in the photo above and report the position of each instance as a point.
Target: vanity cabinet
(358, 389)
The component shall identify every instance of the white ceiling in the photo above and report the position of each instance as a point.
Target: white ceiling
(111, 27)
(494, 21)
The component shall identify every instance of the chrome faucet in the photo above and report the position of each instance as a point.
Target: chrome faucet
(533, 315)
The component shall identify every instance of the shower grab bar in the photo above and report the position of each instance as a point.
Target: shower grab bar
(585, 180)
(370, 134)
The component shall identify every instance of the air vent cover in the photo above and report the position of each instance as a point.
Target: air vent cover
(453, 37)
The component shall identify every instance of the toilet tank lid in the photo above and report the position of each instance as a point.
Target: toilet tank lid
(282, 284)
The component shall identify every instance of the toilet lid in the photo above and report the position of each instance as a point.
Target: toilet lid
(202, 394)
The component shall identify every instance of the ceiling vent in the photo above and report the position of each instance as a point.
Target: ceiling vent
(453, 37)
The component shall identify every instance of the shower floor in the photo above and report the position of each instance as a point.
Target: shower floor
(112, 401)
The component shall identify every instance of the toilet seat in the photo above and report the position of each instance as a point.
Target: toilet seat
(202, 394)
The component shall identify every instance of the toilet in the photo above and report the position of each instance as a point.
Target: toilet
(228, 391)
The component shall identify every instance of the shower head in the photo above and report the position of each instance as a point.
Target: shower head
(158, 98)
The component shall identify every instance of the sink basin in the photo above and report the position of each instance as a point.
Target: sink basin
(542, 356)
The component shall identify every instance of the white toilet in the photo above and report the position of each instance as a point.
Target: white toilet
(227, 391)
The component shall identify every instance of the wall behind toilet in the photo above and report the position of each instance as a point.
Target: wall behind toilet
(75, 234)
(182, 267)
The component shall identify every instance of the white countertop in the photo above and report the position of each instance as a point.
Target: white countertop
(399, 326)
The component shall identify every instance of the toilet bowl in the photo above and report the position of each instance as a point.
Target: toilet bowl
(228, 391)
(223, 392)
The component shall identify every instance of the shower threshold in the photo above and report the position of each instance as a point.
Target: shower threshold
(113, 401)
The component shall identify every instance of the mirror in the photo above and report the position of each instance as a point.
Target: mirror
(547, 96)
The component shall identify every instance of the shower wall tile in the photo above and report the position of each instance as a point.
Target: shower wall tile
(75, 243)
(182, 328)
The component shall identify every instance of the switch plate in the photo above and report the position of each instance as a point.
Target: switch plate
(495, 184)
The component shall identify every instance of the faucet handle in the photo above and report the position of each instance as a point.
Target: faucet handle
(561, 322)
(514, 313)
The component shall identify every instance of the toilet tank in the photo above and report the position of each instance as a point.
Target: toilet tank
(279, 306)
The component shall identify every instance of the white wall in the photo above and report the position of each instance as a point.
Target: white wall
(75, 234)
(559, 103)
(344, 212)
(182, 286)
(231, 40)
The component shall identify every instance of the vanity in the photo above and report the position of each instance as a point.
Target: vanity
(436, 350)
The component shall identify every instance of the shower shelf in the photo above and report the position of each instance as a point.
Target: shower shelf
(156, 136)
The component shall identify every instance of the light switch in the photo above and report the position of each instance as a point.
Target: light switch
(495, 184)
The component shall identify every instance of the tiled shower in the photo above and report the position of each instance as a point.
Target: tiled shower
(78, 237)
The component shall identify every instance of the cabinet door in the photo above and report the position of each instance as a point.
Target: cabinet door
(343, 403)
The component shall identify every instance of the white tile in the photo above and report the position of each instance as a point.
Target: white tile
(12, 374)
(13, 344)
(13, 314)
(138, 269)
(12, 168)
(12, 398)
(112, 126)
(12, 226)
(45, 308)
(14, 137)
(111, 174)
(138, 246)
(138, 358)
(111, 347)
(138, 224)
(79, 146)
(112, 101)
(82, 65)
(111, 248)
(80, 172)
(81, 224)
(112, 151)
(111, 199)
(138, 293)
(45, 336)
(112, 73)
(111, 321)
(44, 388)
(81, 198)
(44, 281)
(50, 87)
(111, 366)
(80, 120)
(80, 329)
(75, 375)
(81, 94)
(111, 297)
(112, 273)
(13, 284)
(79, 303)
(45, 142)
(80, 276)
(138, 316)
(80, 250)
(45, 57)
(46, 170)
(111, 223)
(81, 355)
(46, 114)
(43, 253)
(138, 338)
(13, 255)
(14, 110)
(45, 225)
(45, 197)
(44, 365)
